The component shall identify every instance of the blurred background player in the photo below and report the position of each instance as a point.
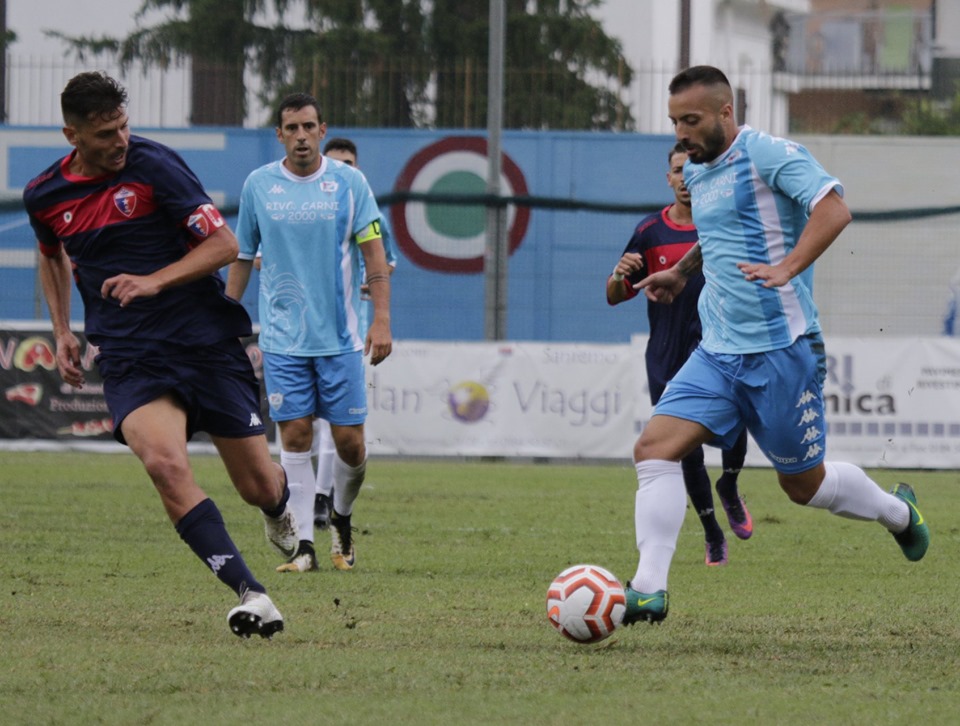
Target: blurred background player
(323, 449)
(311, 312)
(765, 210)
(145, 243)
(345, 151)
(658, 242)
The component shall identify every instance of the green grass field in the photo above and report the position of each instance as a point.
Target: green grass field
(107, 618)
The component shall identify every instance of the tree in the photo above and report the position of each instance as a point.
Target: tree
(551, 51)
(377, 62)
(213, 34)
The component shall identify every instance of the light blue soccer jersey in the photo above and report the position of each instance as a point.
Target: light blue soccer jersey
(751, 205)
(311, 263)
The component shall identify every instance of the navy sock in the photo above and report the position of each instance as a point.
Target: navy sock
(278, 510)
(203, 530)
(697, 482)
(732, 464)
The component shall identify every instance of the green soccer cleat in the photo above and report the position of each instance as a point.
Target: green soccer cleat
(641, 606)
(915, 539)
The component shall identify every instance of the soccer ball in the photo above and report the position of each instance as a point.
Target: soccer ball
(586, 603)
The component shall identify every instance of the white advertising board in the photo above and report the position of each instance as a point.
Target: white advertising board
(890, 402)
(503, 399)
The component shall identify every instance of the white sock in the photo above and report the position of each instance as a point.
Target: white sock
(300, 478)
(318, 426)
(658, 515)
(347, 481)
(325, 453)
(848, 492)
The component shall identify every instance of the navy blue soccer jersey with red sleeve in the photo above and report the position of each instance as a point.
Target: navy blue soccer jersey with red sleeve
(674, 328)
(137, 221)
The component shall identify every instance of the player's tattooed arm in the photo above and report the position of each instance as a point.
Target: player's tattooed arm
(692, 262)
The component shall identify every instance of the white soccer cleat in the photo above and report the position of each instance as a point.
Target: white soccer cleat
(342, 553)
(255, 615)
(282, 532)
(304, 561)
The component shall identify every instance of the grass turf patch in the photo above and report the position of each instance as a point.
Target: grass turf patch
(106, 616)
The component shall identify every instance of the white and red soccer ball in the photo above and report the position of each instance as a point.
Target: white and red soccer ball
(586, 603)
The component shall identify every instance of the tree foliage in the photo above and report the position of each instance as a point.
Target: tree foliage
(387, 62)
(932, 118)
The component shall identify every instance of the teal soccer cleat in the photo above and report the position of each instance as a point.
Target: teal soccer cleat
(642, 606)
(915, 539)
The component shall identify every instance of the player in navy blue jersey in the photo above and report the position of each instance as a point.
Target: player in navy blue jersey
(131, 223)
(659, 242)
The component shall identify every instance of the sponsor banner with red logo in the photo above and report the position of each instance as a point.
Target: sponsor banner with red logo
(892, 403)
(37, 405)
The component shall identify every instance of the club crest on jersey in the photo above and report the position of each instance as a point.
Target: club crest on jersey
(329, 186)
(197, 223)
(125, 201)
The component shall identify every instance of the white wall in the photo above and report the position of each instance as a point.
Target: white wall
(730, 34)
(890, 276)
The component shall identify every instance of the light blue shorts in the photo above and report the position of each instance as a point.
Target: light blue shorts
(776, 395)
(329, 387)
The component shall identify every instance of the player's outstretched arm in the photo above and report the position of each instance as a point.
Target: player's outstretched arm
(617, 291)
(827, 220)
(216, 251)
(664, 286)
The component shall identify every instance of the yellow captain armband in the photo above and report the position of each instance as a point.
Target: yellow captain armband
(371, 231)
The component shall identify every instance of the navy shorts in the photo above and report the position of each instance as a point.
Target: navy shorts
(216, 384)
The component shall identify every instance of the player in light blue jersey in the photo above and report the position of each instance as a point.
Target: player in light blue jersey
(316, 223)
(765, 210)
(344, 151)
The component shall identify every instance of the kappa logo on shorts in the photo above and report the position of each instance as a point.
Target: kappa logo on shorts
(805, 398)
(811, 434)
(255, 420)
(813, 452)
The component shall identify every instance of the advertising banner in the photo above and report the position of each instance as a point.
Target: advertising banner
(890, 402)
(894, 402)
(37, 405)
(503, 399)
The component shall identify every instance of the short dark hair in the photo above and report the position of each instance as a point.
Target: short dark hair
(296, 101)
(677, 148)
(338, 143)
(698, 76)
(89, 94)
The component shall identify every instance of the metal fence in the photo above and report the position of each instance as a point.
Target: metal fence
(356, 96)
(777, 101)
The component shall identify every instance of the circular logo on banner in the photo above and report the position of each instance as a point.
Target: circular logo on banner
(452, 237)
(468, 401)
